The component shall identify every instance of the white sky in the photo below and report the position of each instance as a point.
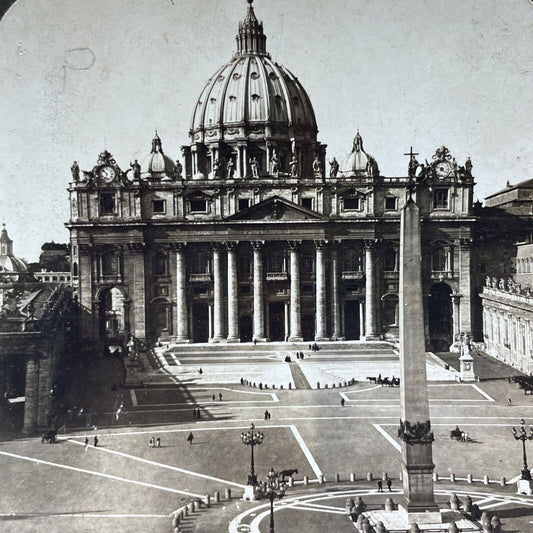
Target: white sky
(406, 72)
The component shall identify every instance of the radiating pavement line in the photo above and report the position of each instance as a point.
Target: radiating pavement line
(388, 437)
(101, 474)
(306, 451)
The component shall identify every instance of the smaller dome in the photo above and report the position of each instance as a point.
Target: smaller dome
(11, 267)
(358, 161)
(157, 164)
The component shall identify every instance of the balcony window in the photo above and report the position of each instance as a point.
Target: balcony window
(198, 206)
(107, 203)
(440, 199)
(307, 203)
(439, 260)
(159, 207)
(390, 261)
(244, 203)
(391, 203)
(351, 204)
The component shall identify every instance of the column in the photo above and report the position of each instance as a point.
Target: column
(218, 300)
(259, 317)
(335, 301)
(137, 289)
(362, 319)
(32, 395)
(370, 307)
(320, 331)
(465, 285)
(286, 321)
(44, 385)
(455, 321)
(181, 295)
(295, 322)
(233, 294)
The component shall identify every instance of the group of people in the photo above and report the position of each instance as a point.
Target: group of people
(268, 415)
(389, 484)
(219, 396)
(196, 414)
(155, 443)
(95, 442)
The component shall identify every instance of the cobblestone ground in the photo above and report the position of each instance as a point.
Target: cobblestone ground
(123, 484)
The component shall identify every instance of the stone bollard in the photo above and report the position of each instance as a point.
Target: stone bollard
(177, 530)
(318, 384)
(290, 385)
(485, 519)
(400, 476)
(176, 520)
(273, 386)
(185, 511)
(389, 504)
(254, 385)
(260, 386)
(194, 506)
(468, 505)
(326, 386)
(352, 477)
(306, 480)
(496, 524)
(199, 504)
(207, 500)
(435, 477)
(469, 478)
(380, 528)
(227, 494)
(333, 386)
(337, 478)
(452, 528)
(452, 478)
(321, 478)
(217, 496)
(455, 503)
(485, 479)
(281, 387)
(384, 476)
(503, 481)
(291, 481)
(369, 476)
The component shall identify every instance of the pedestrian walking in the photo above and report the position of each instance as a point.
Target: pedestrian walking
(342, 402)
(509, 402)
(266, 414)
(190, 438)
(151, 443)
(219, 396)
(269, 415)
(194, 414)
(198, 414)
(255, 342)
(380, 485)
(95, 441)
(389, 484)
(214, 397)
(86, 443)
(158, 442)
(200, 371)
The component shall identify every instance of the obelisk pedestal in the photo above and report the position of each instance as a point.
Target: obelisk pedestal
(418, 504)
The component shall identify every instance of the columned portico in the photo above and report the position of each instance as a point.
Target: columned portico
(295, 313)
(336, 332)
(233, 302)
(218, 301)
(370, 304)
(320, 331)
(181, 295)
(259, 316)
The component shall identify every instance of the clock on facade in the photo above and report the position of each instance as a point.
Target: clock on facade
(443, 169)
(107, 173)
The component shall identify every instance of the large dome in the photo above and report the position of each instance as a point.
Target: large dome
(253, 90)
(11, 267)
(358, 161)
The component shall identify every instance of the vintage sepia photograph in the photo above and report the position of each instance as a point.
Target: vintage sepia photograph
(266, 266)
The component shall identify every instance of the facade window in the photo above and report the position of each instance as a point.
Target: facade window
(244, 264)
(244, 203)
(307, 203)
(159, 206)
(110, 264)
(351, 204)
(198, 206)
(75, 269)
(276, 261)
(107, 203)
(161, 264)
(352, 260)
(200, 263)
(390, 261)
(391, 203)
(307, 264)
(440, 199)
(439, 260)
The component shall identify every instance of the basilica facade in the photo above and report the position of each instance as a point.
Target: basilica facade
(255, 233)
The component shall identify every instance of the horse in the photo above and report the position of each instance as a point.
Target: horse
(371, 379)
(289, 473)
(456, 433)
(465, 437)
(50, 436)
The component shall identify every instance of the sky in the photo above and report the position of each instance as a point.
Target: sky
(78, 77)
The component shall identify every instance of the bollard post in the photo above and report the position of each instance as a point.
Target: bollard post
(290, 385)
(194, 506)
(207, 500)
(217, 496)
(435, 477)
(291, 482)
(485, 479)
(326, 386)
(321, 478)
(369, 476)
(227, 494)
(185, 511)
(469, 478)
(384, 476)
(452, 478)
(176, 520)
(177, 530)
(337, 478)
(333, 386)
(306, 480)
(503, 481)
(352, 477)
(281, 386)
(318, 384)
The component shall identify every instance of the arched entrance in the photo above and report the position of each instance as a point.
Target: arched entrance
(112, 318)
(200, 324)
(245, 328)
(440, 311)
(161, 320)
(308, 327)
(351, 320)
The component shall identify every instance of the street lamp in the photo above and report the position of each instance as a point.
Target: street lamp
(252, 439)
(523, 436)
(272, 488)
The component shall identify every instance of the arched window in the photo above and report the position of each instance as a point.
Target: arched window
(276, 260)
(110, 264)
(439, 260)
(352, 260)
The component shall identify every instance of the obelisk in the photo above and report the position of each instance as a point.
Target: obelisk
(415, 426)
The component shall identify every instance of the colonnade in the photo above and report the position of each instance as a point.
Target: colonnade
(229, 332)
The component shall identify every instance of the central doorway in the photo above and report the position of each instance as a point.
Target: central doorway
(276, 326)
(351, 320)
(200, 324)
(440, 317)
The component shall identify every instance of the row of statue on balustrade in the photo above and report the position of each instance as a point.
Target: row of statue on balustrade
(509, 286)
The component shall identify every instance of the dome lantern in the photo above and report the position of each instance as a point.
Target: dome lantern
(157, 164)
(358, 162)
(251, 39)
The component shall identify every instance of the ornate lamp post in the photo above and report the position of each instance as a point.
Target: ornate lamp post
(252, 439)
(523, 436)
(272, 488)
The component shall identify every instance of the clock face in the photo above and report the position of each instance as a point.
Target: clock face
(443, 169)
(107, 173)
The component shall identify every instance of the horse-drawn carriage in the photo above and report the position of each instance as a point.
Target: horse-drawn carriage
(459, 434)
(49, 436)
